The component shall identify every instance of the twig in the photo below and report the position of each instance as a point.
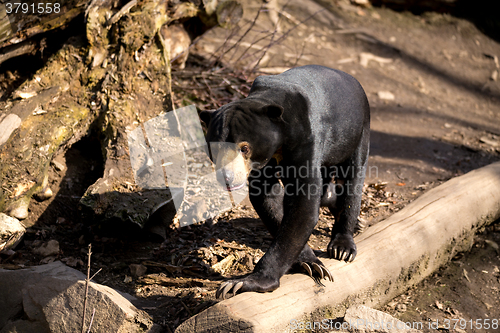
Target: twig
(252, 24)
(261, 51)
(187, 309)
(100, 269)
(215, 84)
(91, 319)
(285, 35)
(211, 93)
(268, 46)
(300, 54)
(288, 16)
(125, 9)
(253, 45)
(272, 35)
(231, 34)
(87, 280)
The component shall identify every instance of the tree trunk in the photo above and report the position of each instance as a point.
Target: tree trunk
(109, 82)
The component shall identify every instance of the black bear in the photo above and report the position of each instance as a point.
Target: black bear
(294, 134)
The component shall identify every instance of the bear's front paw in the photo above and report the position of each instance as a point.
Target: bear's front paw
(342, 247)
(253, 282)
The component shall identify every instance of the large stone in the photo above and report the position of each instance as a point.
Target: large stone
(51, 299)
(362, 319)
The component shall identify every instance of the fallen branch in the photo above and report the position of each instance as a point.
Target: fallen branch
(16, 50)
(162, 280)
(124, 10)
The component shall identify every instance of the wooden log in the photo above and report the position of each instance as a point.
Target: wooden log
(392, 256)
(16, 50)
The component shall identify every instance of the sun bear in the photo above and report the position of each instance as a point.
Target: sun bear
(288, 139)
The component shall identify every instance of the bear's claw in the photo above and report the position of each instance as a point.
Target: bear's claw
(226, 287)
(342, 247)
(360, 227)
(320, 269)
(342, 254)
(253, 282)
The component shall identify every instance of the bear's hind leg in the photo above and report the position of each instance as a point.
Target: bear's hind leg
(348, 204)
(329, 199)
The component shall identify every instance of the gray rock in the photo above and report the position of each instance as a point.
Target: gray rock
(48, 249)
(362, 319)
(51, 299)
(7, 125)
(24, 326)
(59, 166)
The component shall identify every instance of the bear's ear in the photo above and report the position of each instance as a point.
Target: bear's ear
(206, 116)
(274, 111)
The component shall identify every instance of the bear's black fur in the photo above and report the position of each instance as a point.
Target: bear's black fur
(292, 135)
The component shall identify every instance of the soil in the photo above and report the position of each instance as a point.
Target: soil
(435, 101)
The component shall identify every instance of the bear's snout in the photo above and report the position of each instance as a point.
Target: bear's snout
(231, 168)
(228, 180)
(225, 177)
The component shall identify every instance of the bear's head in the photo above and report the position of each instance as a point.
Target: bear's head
(242, 136)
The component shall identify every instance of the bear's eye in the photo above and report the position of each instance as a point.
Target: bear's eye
(245, 149)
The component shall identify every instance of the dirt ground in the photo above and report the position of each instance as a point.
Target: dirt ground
(435, 101)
